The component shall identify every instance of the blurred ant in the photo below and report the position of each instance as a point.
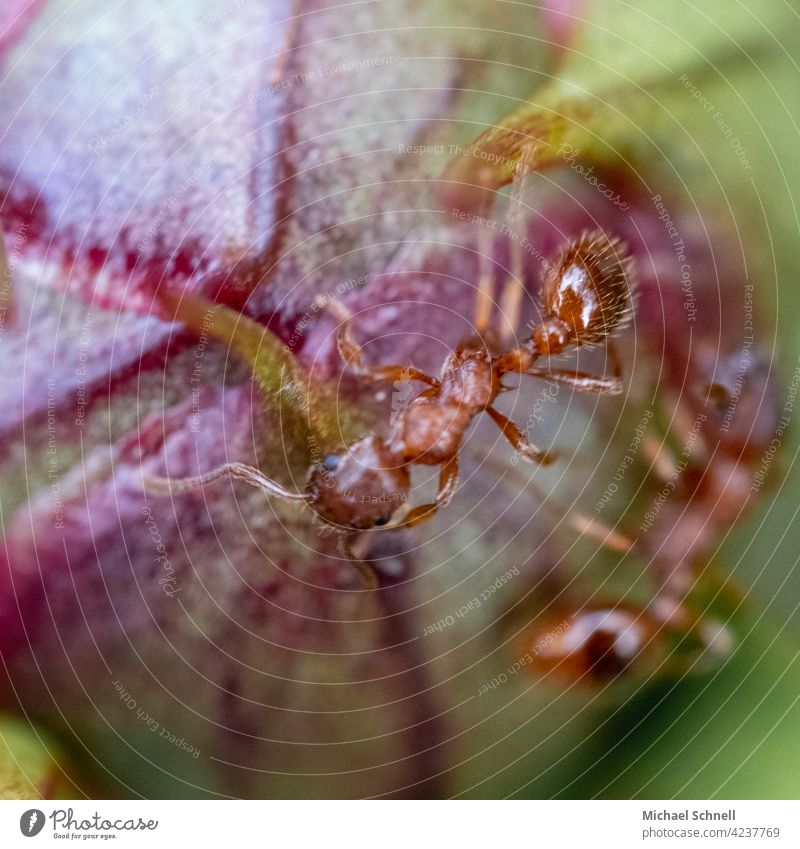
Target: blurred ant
(727, 410)
(597, 643)
(585, 297)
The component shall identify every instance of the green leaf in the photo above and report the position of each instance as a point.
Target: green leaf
(311, 416)
(29, 764)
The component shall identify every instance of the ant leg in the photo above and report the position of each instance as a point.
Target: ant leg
(592, 528)
(511, 299)
(582, 381)
(517, 438)
(159, 486)
(483, 297)
(600, 532)
(662, 460)
(392, 374)
(448, 478)
(368, 575)
(350, 353)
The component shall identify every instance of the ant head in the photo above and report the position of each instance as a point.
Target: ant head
(360, 488)
(586, 293)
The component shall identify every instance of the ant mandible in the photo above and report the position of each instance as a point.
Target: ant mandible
(586, 295)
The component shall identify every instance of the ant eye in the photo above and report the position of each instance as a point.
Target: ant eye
(330, 463)
(383, 520)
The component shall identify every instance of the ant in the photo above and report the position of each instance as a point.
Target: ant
(725, 415)
(597, 643)
(586, 295)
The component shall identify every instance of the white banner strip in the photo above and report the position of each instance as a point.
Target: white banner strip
(403, 824)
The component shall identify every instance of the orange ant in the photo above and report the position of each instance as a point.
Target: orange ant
(585, 297)
(726, 411)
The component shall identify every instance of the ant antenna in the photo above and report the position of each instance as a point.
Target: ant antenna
(159, 486)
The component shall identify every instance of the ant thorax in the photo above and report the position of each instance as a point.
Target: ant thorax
(429, 430)
(360, 488)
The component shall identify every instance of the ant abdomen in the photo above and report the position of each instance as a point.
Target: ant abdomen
(586, 294)
(591, 646)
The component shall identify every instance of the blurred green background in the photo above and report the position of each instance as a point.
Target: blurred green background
(733, 732)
